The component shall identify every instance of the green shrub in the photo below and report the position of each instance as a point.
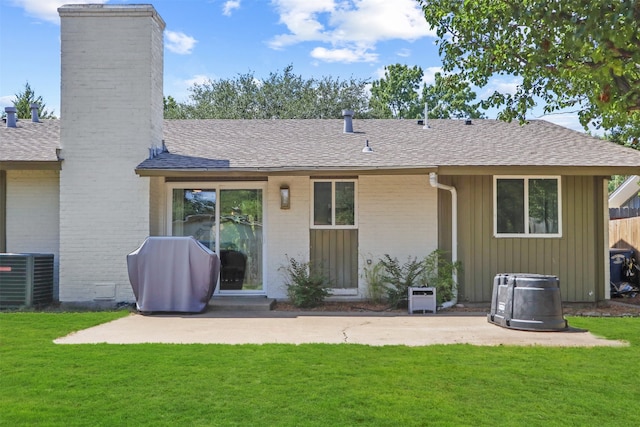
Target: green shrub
(376, 285)
(434, 271)
(306, 287)
(439, 274)
(400, 277)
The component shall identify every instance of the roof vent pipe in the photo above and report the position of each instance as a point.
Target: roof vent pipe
(348, 122)
(11, 116)
(34, 112)
(426, 117)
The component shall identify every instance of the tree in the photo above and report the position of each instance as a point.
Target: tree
(396, 94)
(283, 95)
(569, 53)
(172, 110)
(23, 103)
(450, 97)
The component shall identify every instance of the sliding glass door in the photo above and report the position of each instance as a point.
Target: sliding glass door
(229, 221)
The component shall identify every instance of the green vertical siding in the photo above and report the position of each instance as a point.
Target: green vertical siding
(576, 258)
(336, 253)
(3, 211)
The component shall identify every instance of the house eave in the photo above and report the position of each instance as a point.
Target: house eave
(31, 165)
(541, 170)
(393, 170)
(289, 171)
(624, 192)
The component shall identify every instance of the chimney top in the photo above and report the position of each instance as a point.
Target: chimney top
(468, 122)
(11, 116)
(34, 112)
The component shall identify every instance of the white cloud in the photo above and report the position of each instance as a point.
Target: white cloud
(429, 77)
(229, 6)
(179, 88)
(6, 101)
(404, 53)
(356, 25)
(379, 73)
(501, 85)
(179, 43)
(344, 55)
(47, 10)
(197, 79)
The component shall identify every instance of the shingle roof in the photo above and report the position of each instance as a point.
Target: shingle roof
(30, 142)
(318, 144)
(321, 144)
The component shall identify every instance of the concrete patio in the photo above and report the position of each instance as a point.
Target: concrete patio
(266, 327)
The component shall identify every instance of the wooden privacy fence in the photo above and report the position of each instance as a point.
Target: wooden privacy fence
(625, 234)
(616, 213)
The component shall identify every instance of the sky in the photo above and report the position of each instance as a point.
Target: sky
(221, 39)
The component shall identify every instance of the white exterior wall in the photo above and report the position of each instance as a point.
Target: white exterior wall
(398, 215)
(33, 214)
(111, 113)
(287, 230)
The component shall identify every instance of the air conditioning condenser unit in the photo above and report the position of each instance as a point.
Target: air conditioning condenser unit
(25, 280)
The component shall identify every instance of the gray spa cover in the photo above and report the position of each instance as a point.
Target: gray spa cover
(173, 274)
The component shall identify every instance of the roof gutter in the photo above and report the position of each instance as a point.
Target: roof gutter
(294, 170)
(433, 180)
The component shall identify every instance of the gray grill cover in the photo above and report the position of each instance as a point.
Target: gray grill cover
(173, 274)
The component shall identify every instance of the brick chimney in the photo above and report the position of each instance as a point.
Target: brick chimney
(111, 113)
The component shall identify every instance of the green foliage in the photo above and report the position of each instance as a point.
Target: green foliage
(439, 273)
(306, 286)
(376, 285)
(450, 97)
(615, 182)
(396, 95)
(282, 95)
(23, 101)
(172, 110)
(434, 271)
(400, 277)
(570, 53)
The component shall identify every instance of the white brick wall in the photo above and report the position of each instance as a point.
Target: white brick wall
(398, 215)
(111, 113)
(32, 214)
(287, 230)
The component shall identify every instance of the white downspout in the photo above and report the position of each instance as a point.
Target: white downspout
(433, 180)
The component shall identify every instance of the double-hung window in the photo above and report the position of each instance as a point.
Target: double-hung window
(334, 204)
(527, 206)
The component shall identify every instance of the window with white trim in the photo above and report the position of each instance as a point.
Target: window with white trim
(527, 206)
(334, 204)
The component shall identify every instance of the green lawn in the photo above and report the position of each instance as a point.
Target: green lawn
(324, 385)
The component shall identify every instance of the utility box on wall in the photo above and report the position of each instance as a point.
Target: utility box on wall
(422, 299)
(25, 280)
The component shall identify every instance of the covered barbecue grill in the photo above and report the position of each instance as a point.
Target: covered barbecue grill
(175, 274)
